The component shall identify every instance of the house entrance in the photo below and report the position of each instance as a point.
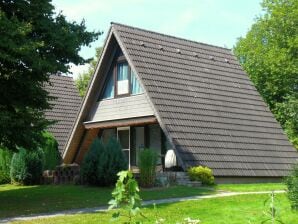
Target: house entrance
(123, 136)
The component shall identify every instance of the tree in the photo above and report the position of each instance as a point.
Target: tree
(83, 79)
(34, 43)
(269, 54)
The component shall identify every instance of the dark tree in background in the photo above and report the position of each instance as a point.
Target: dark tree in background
(269, 54)
(34, 43)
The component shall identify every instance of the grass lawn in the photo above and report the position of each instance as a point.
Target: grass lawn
(231, 210)
(251, 187)
(25, 200)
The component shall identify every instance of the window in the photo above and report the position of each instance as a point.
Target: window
(122, 79)
(135, 86)
(109, 88)
(123, 135)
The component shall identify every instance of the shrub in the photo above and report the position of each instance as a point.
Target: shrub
(89, 168)
(52, 156)
(114, 162)
(26, 167)
(5, 160)
(102, 163)
(200, 173)
(292, 185)
(147, 165)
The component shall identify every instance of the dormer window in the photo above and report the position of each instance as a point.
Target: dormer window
(121, 81)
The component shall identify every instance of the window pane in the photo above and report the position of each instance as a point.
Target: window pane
(123, 137)
(109, 88)
(137, 144)
(122, 78)
(122, 72)
(135, 85)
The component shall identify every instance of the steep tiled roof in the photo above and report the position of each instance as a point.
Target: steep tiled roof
(64, 107)
(207, 105)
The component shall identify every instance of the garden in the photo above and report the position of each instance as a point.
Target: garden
(104, 181)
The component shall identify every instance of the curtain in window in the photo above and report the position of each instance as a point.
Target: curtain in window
(135, 85)
(122, 73)
(109, 88)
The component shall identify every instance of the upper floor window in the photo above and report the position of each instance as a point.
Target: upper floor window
(122, 78)
(135, 86)
(108, 92)
(121, 81)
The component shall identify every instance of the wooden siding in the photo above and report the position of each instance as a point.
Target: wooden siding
(121, 108)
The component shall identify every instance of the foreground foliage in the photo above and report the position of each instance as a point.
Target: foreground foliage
(292, 185)
(35, 41)
(126, 196)
(232, 210)
(268, 53)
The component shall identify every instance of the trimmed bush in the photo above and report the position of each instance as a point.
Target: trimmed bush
(292, 185)
(147, 165)
(5, 160)
(200, 173)
(50, 149)
(102, 163)
(26, 167)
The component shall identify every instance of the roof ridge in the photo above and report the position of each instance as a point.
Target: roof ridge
(171, 36)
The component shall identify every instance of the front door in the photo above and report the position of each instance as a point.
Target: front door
(123, 135)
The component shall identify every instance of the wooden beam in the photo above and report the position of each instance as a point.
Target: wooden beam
(121, 123)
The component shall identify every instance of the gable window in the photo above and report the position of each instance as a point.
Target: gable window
(122, 78)
(135, 86)
(109, 88)
(121, 81)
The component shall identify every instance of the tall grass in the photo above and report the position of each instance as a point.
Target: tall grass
(147, 165)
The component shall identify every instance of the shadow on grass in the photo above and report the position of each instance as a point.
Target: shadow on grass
(28, 200)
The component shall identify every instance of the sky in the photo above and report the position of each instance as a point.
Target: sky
(216, 22)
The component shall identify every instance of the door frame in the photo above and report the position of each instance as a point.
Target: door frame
(129, 132)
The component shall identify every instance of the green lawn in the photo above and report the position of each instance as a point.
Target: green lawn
(25, 200)
(231, 210)
(251, 187)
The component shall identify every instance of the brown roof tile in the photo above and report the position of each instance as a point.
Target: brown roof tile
(65, 107)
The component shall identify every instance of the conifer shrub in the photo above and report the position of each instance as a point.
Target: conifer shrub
(147, 165)
(102, 163)
(200, 173)
(50, 149)
(5, 160)
(89, 168)
(26, 167)
(115, 162)
(292, 185)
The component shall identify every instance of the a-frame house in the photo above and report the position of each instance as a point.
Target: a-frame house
(156, 91)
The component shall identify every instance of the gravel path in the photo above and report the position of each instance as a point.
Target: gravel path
(151, 202)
